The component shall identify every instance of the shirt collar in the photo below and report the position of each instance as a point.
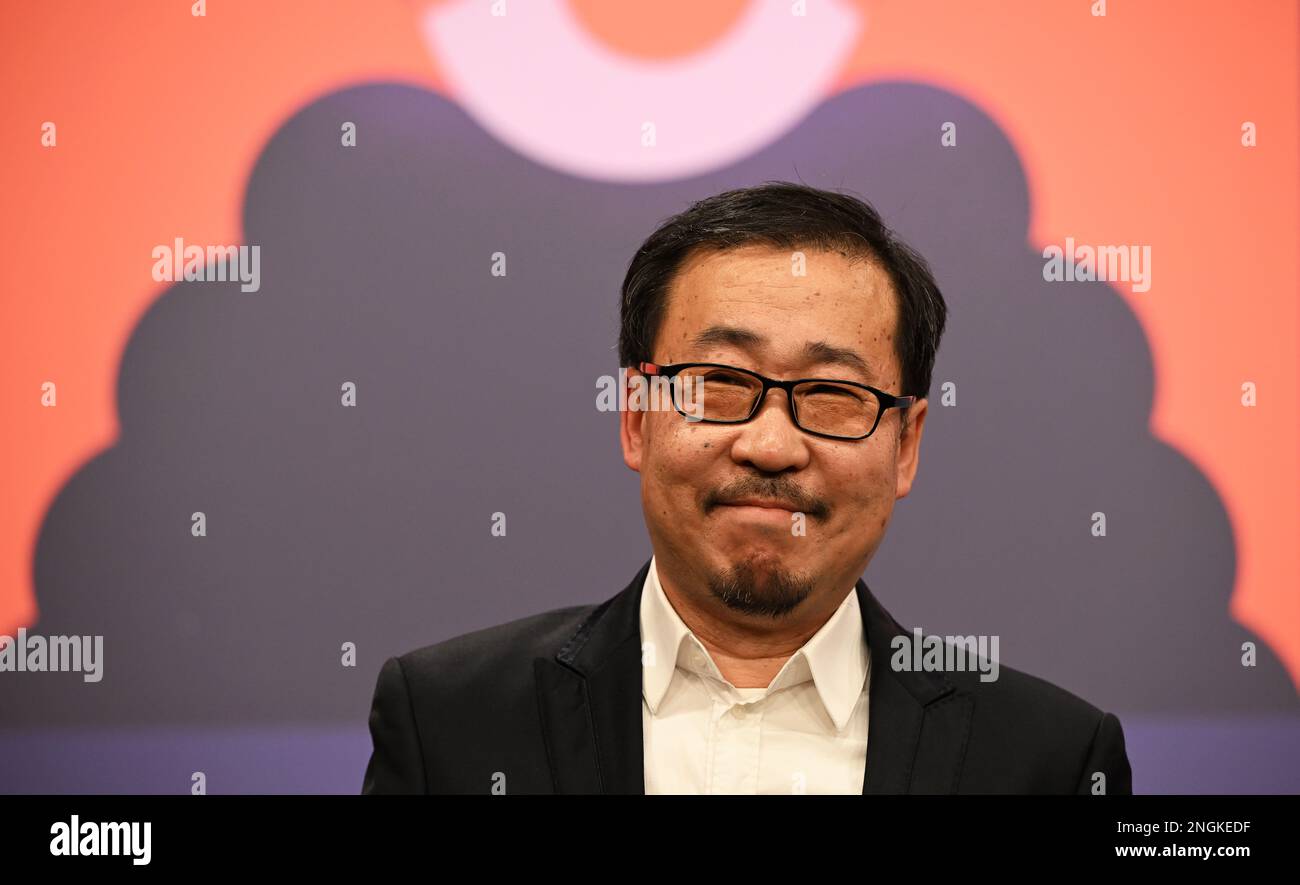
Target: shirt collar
(835, 658)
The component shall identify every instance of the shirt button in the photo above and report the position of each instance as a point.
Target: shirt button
(739, 711)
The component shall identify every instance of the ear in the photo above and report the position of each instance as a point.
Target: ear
(631, 424)
(909, 446)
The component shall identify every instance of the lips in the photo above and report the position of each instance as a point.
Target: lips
(760, 502)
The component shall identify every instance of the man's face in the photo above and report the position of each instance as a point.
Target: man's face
(747, 308)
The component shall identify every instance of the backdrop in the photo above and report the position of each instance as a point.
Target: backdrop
(390, 160)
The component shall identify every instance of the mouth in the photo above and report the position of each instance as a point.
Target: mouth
(768, 515)
(762, 504)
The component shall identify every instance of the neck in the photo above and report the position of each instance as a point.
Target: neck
(749, 650)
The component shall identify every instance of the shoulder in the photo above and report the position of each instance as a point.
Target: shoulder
(485, 657)
(1025, 699)
(1043, 737)
(464, 699)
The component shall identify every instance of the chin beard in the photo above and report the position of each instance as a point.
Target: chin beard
(757, 590)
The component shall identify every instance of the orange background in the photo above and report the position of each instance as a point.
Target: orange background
(1128, 126)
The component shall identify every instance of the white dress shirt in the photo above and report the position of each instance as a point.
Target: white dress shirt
(806, 732)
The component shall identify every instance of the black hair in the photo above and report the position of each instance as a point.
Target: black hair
(785, 215)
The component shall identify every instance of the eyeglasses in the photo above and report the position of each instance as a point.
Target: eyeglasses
(718, 394)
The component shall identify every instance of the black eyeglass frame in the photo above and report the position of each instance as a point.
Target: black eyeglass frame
(887, 400)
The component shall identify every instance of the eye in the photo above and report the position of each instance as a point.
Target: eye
(831, 389)
(725, 377)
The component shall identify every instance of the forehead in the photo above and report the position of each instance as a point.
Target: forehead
(789, 309)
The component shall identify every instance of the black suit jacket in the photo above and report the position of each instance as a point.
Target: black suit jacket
(552, 704)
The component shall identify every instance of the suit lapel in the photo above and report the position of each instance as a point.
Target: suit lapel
(918, 723)
(590, 700)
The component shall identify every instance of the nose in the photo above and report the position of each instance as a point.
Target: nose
(770, 441)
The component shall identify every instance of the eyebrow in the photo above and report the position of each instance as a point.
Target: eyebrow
(813, 351)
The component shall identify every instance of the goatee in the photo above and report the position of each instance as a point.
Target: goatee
(757, 589)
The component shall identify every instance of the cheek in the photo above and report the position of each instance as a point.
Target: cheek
(679, 460)
(862, 485)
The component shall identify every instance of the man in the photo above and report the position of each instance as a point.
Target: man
(790, 337)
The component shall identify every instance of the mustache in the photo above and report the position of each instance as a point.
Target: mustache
(781, 491)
